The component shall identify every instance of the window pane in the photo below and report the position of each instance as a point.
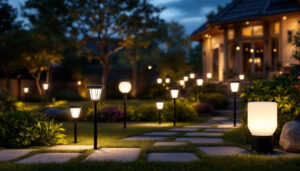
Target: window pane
(247, 31)
(230, 34)
(276, 28)
(258, 30)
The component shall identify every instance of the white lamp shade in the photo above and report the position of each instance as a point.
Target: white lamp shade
(160, 105)
(45, 86)
(125, 87)
(185, 78)
(181, 82)
(174, 93)
(208, 75)
(75, 111)
(168, 80)
(262, 118)
(242, 77)
(95, 92)
(26, 90)
(199, 82)
(192, 75)
(234, 86)
(159, 80)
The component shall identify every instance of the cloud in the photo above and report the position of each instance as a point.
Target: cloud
(192, 19)
(206, 10)
(162, 2)
(171, 13)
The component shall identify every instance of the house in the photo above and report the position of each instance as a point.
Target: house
(249, 37)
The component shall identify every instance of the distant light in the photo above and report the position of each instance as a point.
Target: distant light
(199, 82)
(45, 86)
(209, 75)
(167, 88)
(181, 82)
(168, 80)
(284, 17)
(247, 22)
(206, 35)
(149, 67)
(251, 50)
(274, 50)
(174, 93)
(234, 86)
(26, 90)
(159, 80)
(79, 83)
(192, 75)
(185, 78)
(125, 87)
(242, 76)
(237, 48)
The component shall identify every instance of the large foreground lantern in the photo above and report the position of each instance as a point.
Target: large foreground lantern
(125, 88)
(75, 112)
(160, 106)
(174, 95)
(95, 93)
(262, 123)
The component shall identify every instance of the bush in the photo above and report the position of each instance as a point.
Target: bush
(22, 129)
(7, 101)
(204, 109)
(67, 95)
(184, 111)
(145, 112)
(111, 114)
(218, 100)
(281, 89)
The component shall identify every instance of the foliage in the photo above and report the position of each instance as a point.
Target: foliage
(7, 101)
(23, 129)
(67, 95)
(281, 89)
(296, 54)
(145, 112)
(195, 58)
(111, 114)
(184, 111)
(204, 109)
(218, 100)
(240, 135)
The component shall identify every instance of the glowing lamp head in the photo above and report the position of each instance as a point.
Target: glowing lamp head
(199, 82)
(262, 118)
(242, 77)
(125, 87)
(75, 111)
(192, 75)
(159, 80)
(160, 104)
(26, 90)
(168, 80)
(149, 67)
(237, 48)
(78, 83)
(181, 82)
(209, 75)
(45, 86)
(95, 91)
(174, 93)
(185, 78)
(234, 86)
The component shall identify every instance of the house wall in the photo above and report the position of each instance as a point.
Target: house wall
(290, 24)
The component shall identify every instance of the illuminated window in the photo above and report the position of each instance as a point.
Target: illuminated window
(258, 30)
(276, 28)
(247, 32)
(230, 34)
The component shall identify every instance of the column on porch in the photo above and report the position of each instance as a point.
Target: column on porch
(226, 54)
(267, 47)
(238, 61)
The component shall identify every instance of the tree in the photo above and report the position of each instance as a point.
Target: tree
(111, 25)
(8, 17)
(195, 58)
(212, 13)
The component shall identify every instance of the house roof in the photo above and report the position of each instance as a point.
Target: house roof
(239, 10)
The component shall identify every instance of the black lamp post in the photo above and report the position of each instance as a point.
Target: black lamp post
(95, 93)
(234, 86)
(75, 112)
(125, 87)
(160, 106)
(174, 95)
(45, 87)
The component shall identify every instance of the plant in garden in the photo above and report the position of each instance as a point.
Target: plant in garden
(204, 109)
(7, 101)
(184, 111)
(111, 114)
(145, 112)
(282, 90)
(218, 100)
(23, 128)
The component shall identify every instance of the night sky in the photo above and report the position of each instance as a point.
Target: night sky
(190, 13)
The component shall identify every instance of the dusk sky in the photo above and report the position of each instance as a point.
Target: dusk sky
(190, 13)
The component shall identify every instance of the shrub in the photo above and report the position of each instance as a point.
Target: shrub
(67, 95)
(145, 112)
(218, 100)
(204, 109)
(111, 114)
(23, 128)
(7, 101)
(282, 90)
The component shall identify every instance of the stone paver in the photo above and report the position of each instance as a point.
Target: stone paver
(183, 129)
(201, 140)
(208, 134)
(200, 126)
(216, 130)
(223, 150)
(228, 125)
(144, 138)
(219, 118)
(171, 157)
(161, 133)
(13, 153)
(71, 147)
(114, 154)
(169, 143)
(49, 158)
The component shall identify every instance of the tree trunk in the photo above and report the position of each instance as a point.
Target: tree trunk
(37, 83)
(134, 90)
(104, 76)
(7, 83)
